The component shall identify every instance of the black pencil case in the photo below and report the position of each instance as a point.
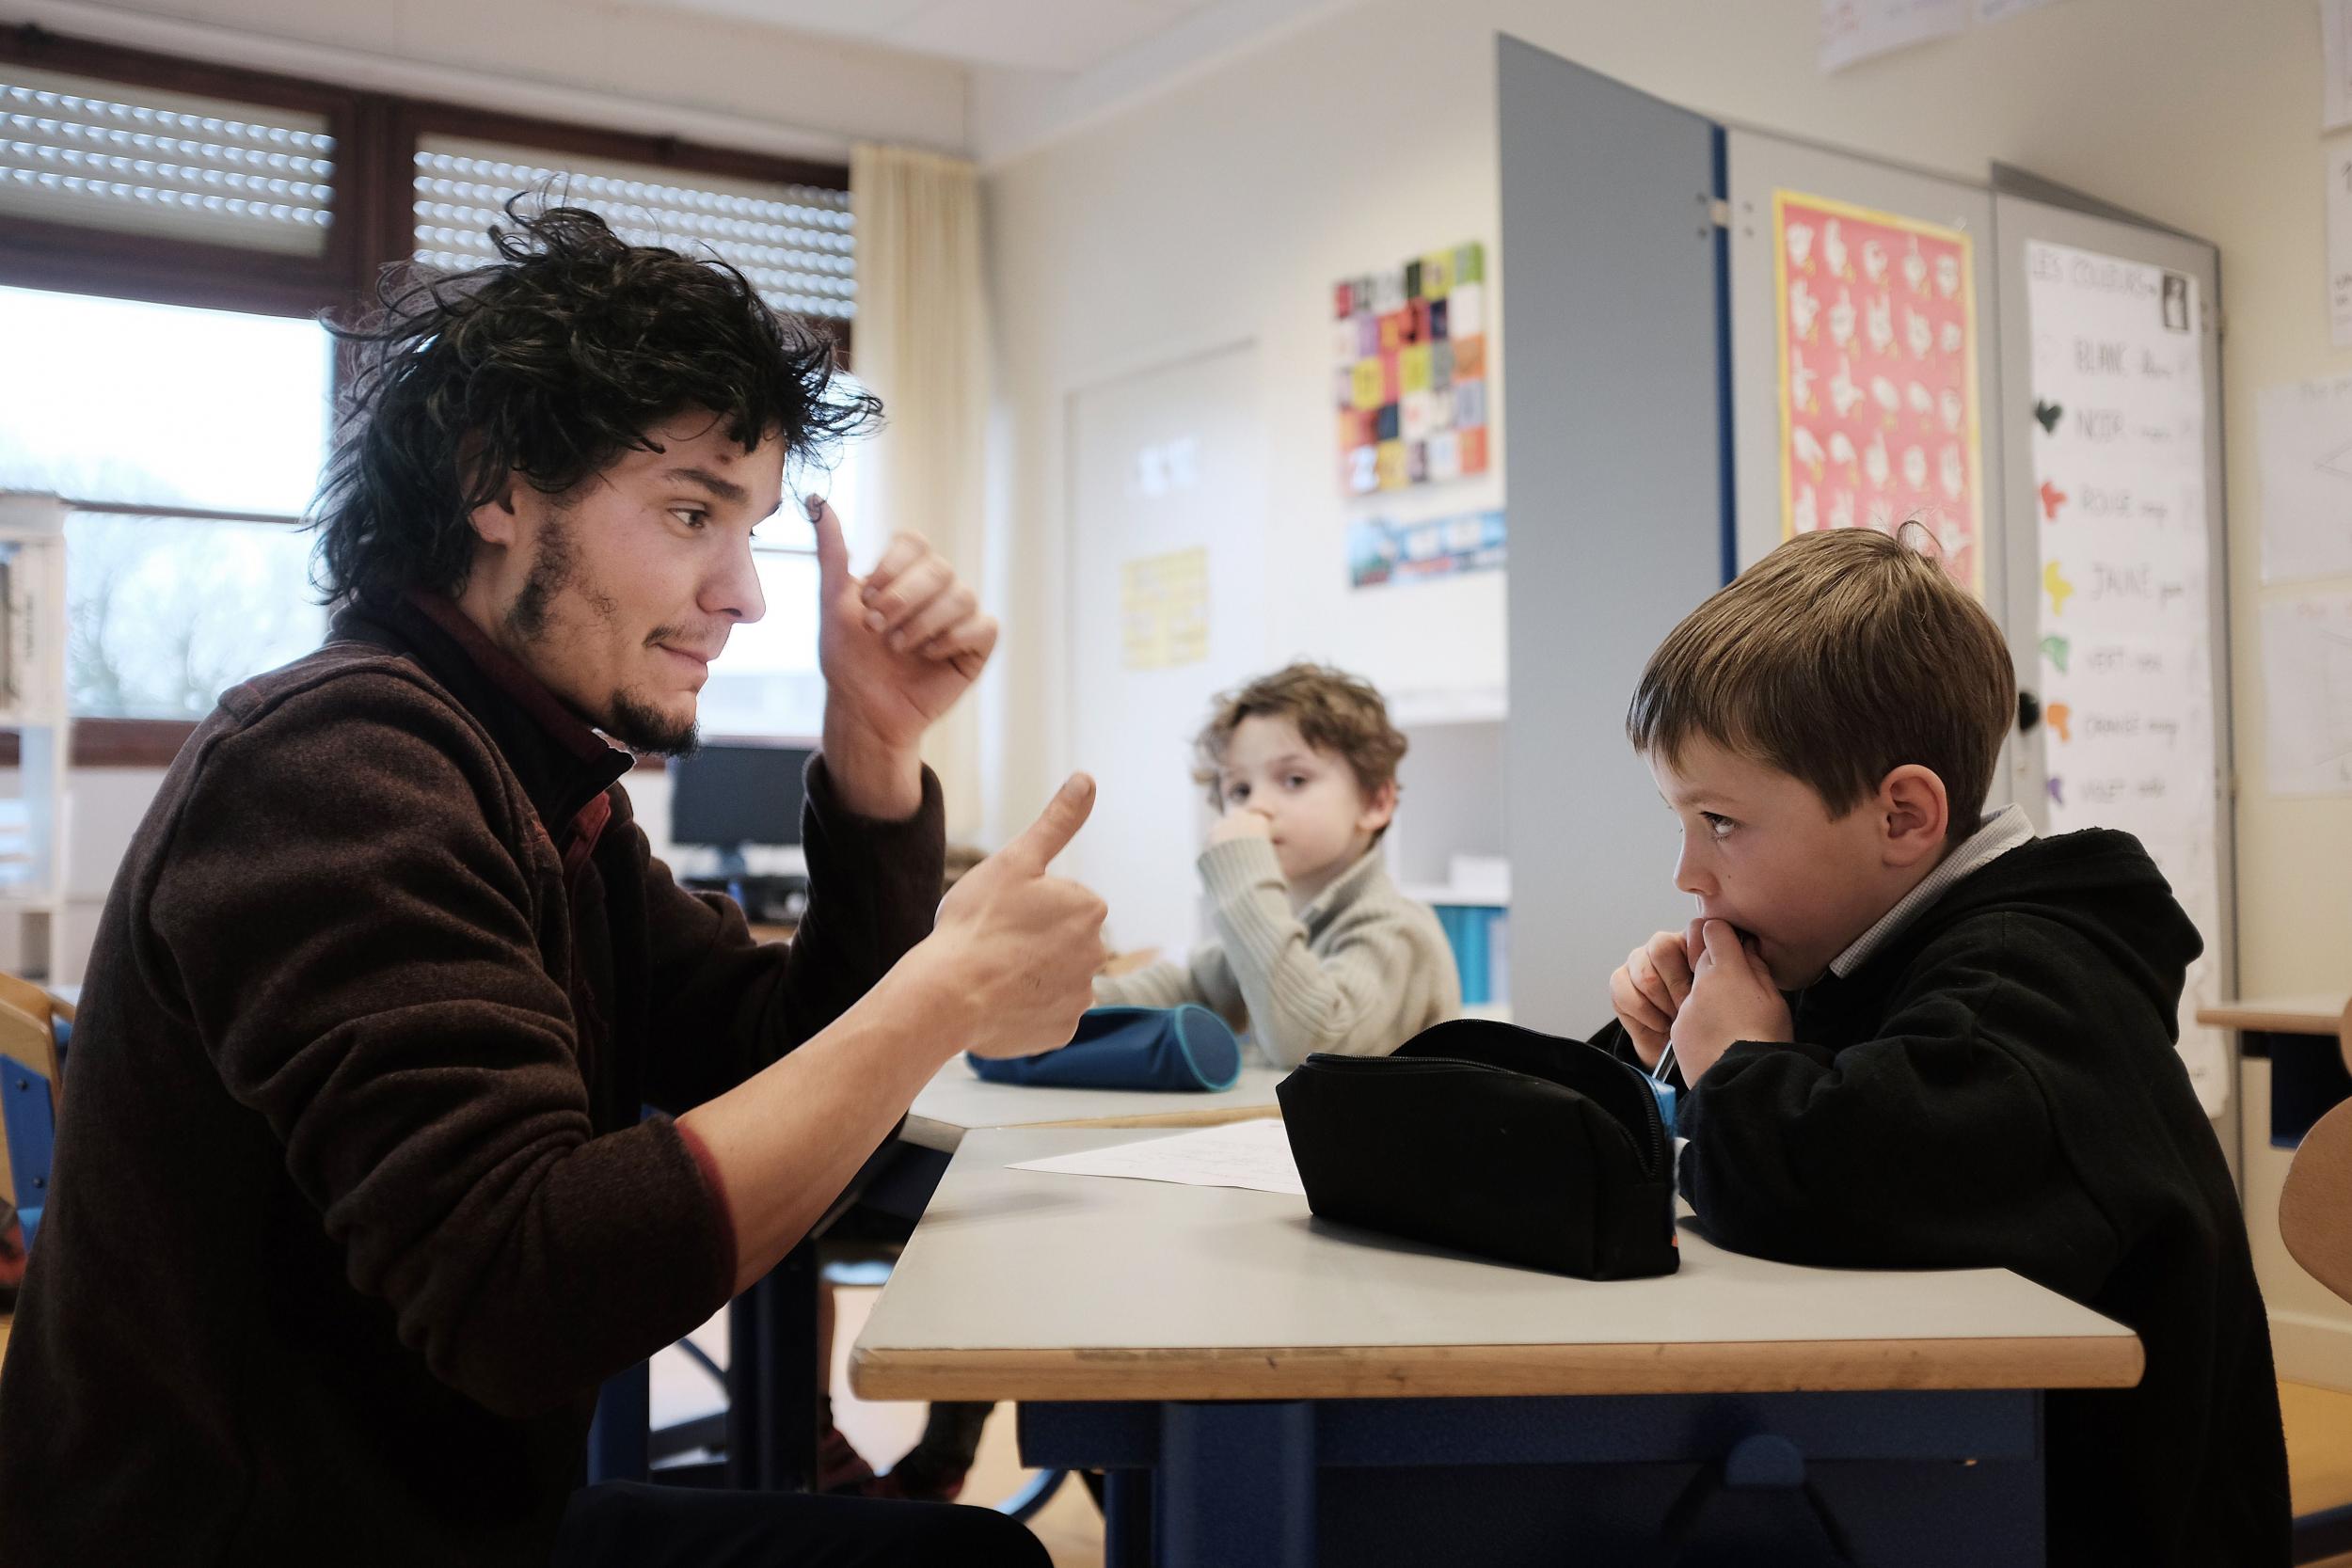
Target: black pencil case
(1495, 1140)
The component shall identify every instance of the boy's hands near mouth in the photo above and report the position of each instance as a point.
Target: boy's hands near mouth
(1244, 823)
(1648, 990)
(1732, 998)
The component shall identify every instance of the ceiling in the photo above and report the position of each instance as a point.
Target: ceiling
(1059, 36)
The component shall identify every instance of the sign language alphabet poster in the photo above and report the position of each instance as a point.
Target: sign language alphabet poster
(1877, 377)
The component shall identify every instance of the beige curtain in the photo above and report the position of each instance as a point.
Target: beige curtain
(921, 343)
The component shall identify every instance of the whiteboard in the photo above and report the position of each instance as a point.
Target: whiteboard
(2081, 339)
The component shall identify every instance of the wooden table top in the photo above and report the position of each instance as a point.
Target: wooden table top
(1026, 1285)
(2302, 1013)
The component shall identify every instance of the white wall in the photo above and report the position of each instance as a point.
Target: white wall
(1225, 211)
(1225, 208)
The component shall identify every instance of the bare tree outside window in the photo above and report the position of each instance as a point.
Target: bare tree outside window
(119, 402)
(164, 615)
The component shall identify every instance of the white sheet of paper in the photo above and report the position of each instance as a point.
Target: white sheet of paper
(1856, 30)
(2306, 693)
(1996, 11)
(2304, 432)
(2340, 241)
(2335, 33)
(1251, 1154)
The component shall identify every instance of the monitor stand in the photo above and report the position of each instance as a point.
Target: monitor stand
(734, 870)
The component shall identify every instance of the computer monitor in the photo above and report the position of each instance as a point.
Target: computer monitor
(734, 795)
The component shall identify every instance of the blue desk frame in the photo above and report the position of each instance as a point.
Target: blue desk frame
(1920, 1480)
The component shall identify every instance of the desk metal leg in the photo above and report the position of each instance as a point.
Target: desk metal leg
(619, 1442)
(1240, 1488)
(1127, 1519)
(771, 1379)
(2323, 1534)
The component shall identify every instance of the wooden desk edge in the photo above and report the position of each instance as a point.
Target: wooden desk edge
(945, 1136)
(2270, 1017)
(1342, 1373)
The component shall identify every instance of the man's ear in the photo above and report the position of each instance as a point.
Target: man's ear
(1380, 808)
(1917, 813)
(499, 520)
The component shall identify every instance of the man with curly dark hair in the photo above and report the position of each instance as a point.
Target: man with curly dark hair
(356, 1201)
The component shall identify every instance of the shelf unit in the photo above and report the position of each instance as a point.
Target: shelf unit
(34, 703)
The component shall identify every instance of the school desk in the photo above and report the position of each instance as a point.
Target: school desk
(771, 1328)
(2306, 1039)
(1266, 1389)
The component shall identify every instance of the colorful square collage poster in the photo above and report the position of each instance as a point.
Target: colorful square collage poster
(1877, 377)
(1410, 344)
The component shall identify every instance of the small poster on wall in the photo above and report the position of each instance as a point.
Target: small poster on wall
(1163, 600)
(1381, 552)
(1878, 375)
(1410, 344)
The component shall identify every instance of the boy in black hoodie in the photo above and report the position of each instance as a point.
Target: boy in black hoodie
(1915, 1036)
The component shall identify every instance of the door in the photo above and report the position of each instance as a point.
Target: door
(1168, 608)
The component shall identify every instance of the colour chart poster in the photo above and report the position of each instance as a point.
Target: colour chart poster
(1410, 347)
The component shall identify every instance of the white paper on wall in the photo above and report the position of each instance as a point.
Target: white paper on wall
(2335, 51)
(1996, 11)
(2304, 437)
(1856, 30)
(2340, 241)
(2126, 639)
(2306, 694)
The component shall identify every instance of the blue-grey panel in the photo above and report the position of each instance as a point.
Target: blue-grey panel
(1614, 477)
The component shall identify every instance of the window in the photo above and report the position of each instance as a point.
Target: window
(206, 214)
(767, 682)
(791, 241)
(118, 403)
(164, 615)
(112, 401)
(78, 150)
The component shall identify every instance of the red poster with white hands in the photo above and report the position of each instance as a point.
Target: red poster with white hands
(1877, 377)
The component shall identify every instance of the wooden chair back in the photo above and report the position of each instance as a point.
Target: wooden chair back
(2315, 1205)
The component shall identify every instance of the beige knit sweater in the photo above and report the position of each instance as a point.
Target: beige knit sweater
(1359, 971)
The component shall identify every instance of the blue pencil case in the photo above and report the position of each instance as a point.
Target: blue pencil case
(1181, 1048)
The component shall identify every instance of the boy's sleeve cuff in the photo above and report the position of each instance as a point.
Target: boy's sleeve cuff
(1240, 867)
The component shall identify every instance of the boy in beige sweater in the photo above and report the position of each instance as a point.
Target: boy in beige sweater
(1315, 949)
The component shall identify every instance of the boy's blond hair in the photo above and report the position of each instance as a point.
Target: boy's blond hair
(1333, 711)
(1838, 657)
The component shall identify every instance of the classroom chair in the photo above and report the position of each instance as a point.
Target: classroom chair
(32, 1023)
(2315, 1221)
